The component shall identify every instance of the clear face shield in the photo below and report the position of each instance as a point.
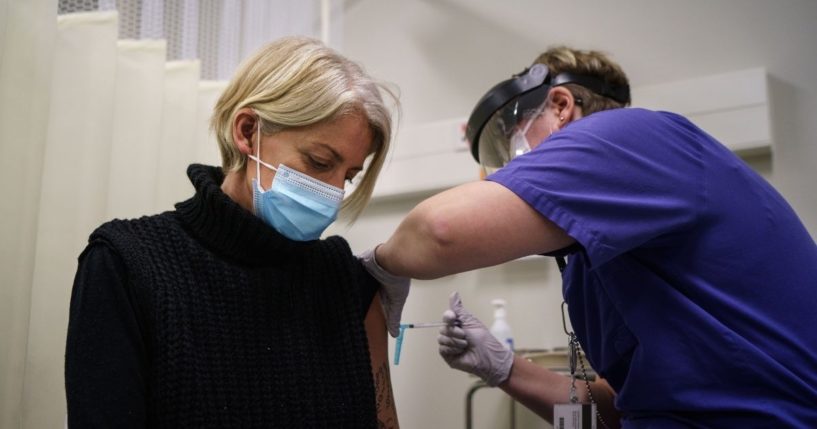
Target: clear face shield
(498, 124)
(495, 127)
(503, 137)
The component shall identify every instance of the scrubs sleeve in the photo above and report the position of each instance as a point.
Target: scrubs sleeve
(613, 181)
(105, 356)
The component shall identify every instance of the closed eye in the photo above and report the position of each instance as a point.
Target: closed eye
(318, 164)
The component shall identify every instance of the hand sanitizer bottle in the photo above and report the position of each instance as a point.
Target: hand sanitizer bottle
(500, 328)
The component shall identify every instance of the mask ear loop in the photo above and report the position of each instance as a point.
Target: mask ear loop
(535, 115)
(258, 157)
(258, 162)
(537, 112)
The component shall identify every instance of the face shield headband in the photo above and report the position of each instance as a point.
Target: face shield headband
(510, 105)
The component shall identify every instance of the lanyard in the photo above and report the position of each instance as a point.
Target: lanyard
(574, 354)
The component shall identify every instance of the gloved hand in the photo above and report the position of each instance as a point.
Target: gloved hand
(472, 348)
(393, 292)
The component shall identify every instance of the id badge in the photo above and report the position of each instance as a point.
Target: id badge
(574, 416)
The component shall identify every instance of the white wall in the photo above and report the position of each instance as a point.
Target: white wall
(444, 54)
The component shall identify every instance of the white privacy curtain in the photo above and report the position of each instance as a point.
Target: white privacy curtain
(27, 33)
(92, 127)
(72, 196)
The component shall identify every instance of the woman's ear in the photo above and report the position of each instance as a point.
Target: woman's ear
(244, 127)
(565, 104)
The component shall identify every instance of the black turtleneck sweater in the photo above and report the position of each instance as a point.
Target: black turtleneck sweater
(207, 317)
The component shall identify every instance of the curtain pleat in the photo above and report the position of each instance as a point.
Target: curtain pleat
(73, 195)
(138, 104)
(27, 33)
(176, 145)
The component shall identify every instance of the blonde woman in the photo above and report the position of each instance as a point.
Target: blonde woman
(230, 311)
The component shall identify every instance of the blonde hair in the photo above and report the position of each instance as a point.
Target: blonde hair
(562, 59)
(298, 81)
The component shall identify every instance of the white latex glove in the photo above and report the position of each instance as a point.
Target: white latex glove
(472, 348)
(393, 292)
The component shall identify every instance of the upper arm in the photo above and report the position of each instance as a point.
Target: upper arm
(471, 226)
(375, 324)
(105, 353)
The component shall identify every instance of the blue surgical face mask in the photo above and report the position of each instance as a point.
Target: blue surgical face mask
(298, 206)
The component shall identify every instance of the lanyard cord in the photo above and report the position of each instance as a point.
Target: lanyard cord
(574, 351)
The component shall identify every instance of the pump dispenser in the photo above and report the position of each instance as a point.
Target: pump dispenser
(500, 328)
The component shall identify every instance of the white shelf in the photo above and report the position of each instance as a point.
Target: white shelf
(733, 107)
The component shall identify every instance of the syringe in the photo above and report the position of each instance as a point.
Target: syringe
(422, 325)
(403, 326)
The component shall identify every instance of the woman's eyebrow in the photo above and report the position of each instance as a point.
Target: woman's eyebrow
(335, 154)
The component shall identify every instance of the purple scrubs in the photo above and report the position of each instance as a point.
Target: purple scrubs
(695, 293)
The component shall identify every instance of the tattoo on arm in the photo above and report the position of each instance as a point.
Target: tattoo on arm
(384, 396)
(388, 424)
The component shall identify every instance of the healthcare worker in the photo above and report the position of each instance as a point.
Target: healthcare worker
(690, 283)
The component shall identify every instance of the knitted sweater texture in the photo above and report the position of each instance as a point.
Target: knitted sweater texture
(245, 328)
